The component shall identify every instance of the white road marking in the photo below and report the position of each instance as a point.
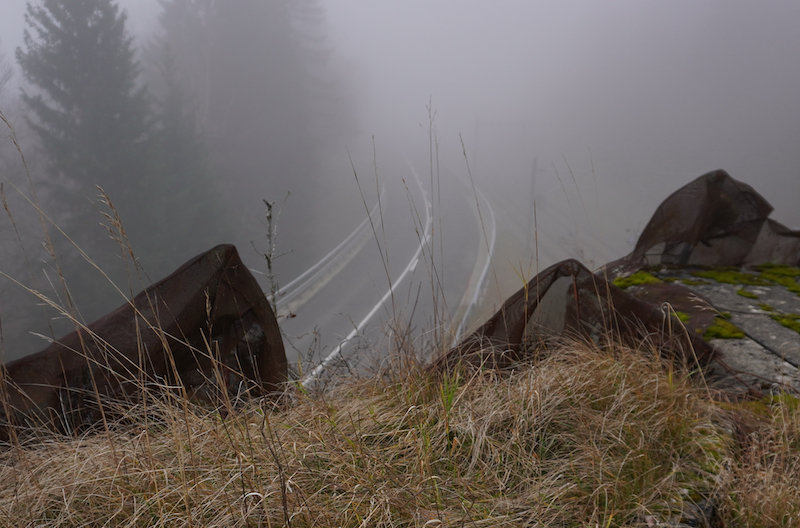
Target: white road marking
(336, 354)
(489, 257)
(312, 277)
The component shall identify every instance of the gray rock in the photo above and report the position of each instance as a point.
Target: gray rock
(162, 336)
(712, 221)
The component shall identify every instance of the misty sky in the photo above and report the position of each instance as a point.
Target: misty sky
(663, 87)
(654, 92)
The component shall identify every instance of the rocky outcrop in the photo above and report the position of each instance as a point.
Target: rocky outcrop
(664, 294)
(713, 221)
(568, 300)
(207, 327)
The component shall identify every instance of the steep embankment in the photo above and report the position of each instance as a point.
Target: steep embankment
(580, 437)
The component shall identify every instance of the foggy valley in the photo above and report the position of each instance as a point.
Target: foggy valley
(552, 129)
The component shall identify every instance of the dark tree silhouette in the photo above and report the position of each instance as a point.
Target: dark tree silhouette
(88, 109)
(93, 120)
(256, 70)
(191, 219)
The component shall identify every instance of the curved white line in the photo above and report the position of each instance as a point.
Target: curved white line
(309, 277)
(312, 376)
(484, 272)
(286, 290)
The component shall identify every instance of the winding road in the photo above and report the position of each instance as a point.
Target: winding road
(340, 311)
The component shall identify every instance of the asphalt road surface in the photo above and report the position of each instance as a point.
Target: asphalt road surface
(406, 278)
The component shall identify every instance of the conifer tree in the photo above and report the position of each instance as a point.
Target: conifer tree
(87, 106)
(92, 118)
(268, 103)
(257, 70)
(190, 218)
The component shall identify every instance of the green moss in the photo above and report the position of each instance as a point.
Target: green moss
(791, 285)
(635, 279)
(722, 329)
(767, 406)
(732, 276)
(682, 316)
(766, 307)
(746, 293)
(788, 401)
(791, 321)
(769, 274)
(783, 275)
(783, 271)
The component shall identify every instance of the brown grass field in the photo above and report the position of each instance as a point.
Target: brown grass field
(581, 437)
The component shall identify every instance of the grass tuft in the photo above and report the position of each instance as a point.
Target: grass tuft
(583, 437)
(760, 488)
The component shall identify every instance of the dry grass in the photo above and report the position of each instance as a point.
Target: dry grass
(762, 485)
(583, 438)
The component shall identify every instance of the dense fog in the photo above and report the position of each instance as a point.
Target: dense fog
(594, 111)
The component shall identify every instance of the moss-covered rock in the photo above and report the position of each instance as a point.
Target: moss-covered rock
(791, 321)
(746, 293)
(768, 275)
(682, 316)
(722, 329)
(777, 270)
(635, 279)
(786, 276)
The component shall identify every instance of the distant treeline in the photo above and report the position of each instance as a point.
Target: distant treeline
(184, 131)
